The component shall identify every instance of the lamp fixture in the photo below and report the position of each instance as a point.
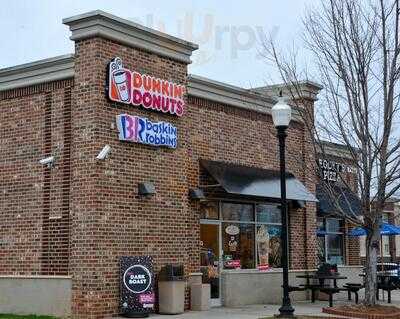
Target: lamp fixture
(146, 189)
(196, 194)
(281, 113)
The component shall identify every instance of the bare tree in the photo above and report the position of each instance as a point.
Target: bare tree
(355, 49)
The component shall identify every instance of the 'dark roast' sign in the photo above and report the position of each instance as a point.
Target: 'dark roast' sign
(137, 285)
(132, 87)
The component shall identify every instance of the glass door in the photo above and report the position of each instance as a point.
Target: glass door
(211, 258)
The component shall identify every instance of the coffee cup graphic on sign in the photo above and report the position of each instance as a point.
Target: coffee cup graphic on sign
(120, 82)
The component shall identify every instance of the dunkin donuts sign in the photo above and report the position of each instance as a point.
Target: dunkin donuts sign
(134, 88)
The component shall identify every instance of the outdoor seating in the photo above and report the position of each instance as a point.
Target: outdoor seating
(330, 291)
(388, 286)
(296, 288)
(324, 280)
(352, 288)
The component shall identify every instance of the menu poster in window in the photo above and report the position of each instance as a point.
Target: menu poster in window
(262, 239)
(136, 286)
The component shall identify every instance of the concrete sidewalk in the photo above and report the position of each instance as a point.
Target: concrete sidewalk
(248, 312)
(261, 311)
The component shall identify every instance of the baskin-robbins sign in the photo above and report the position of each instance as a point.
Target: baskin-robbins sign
(141, 130)
(137, 296)
(131, 87)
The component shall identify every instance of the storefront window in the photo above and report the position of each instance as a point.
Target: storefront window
(268, 240)
(250, 233)
(334, 246)
(268, 214)
(238, 245)
(321, 249)
(209, 210)
(239, 212)
(330, 245)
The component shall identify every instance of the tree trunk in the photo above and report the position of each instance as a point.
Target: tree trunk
(372, 243)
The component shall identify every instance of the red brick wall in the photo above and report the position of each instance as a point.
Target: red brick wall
(351, 244)
(109, 219)
(225, 133)
(32, 126)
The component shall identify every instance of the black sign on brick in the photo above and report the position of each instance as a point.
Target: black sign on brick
(137, 296)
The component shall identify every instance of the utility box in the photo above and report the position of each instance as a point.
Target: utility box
(171, 290)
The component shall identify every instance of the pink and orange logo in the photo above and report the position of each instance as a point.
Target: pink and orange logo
(120, 82)
(134, 88)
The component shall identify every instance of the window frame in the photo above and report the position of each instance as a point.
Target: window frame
(339, 233)
(254, 222)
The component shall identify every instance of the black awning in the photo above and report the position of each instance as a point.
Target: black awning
(347, 201)
(251, 181)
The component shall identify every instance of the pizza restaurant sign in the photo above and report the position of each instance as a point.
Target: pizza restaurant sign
(330, 170)
(131, 87)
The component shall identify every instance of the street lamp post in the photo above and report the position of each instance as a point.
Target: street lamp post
(281, 115)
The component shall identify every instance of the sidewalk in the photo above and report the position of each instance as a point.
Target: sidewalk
(248, 312)
(262, 311)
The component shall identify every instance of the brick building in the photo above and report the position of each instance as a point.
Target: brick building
(65, 224)
(338, 179)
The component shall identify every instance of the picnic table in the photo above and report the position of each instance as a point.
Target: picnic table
(322, 278)
(386, 282)
(322, 284)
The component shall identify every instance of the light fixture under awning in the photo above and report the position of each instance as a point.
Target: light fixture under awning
(252, 181)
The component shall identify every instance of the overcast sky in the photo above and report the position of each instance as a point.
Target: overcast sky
(229, 33)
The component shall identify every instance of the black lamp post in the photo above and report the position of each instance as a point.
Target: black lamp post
(281, 115)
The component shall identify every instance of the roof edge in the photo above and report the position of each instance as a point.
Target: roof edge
(37, 72)
(205, 88)
(309, 89)
(102, 24)
(335, 149)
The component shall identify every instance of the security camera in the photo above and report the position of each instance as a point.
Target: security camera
(104, 152)
(47, 161)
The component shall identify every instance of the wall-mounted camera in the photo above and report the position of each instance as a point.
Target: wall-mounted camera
(49, 161)
(104, 152)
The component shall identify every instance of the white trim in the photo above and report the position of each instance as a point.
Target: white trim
(101, 24)
(223, 93)
(34, 277)
(309, 89)
(42, 71)
(271, 270)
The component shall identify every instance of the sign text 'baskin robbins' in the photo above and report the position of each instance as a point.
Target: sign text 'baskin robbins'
(142, 130)
(132, 87)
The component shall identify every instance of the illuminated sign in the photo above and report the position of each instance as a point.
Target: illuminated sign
(134, 88)
(141, 130)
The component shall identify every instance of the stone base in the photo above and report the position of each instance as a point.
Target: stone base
(200, 295)
(171, 297)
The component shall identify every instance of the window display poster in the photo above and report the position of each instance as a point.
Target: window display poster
(137, 296)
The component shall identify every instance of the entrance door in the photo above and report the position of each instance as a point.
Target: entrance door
(211, 258)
